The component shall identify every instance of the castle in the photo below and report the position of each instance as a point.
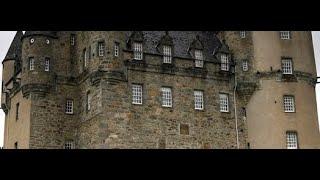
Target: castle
(160, 89)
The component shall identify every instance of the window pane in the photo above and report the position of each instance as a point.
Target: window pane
(136, 94)
(166, 97)
(198, 100)
(224, 103)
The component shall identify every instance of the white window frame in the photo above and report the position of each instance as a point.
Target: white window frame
(225, 62)
(31, 63)
(72, 39)
(198, 100)
(289, 103)
(245, 66)
(116, 50)
(292, 140)
(69, 144)
(242, 34)
(138, 51)
(69, 106)
(167, 54)
(224, 102)
(287, 66)
(47, 64)
(101, 49)
(285, 35)
(137, 94)
(166, 97)
(198, 54)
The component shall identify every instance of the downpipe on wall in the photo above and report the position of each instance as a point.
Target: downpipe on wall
(235, 106)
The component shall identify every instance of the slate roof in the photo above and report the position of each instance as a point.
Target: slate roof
(15, 50)
(44, 33)
(181, 42)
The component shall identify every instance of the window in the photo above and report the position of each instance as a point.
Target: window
(101, 49)
(89, 101)
(69, 145)
(31, 64)
(224, 103)
(17, 111)
(69, 106)
(242, 34)
(167, 54)
(116, 49)
(285, 34)
(166, 97)
(85, 58)
(72, 39)
(199, 58)
(138, 52)
(16, 145)
(136, 94)
(224, 62)
(31, 40)
(198, 100)
(245, 65)
(48, 41)
(47, 64)
(286, 66)
(292, 140)
(288, 102)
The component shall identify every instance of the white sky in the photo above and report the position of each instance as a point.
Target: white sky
(7, 36)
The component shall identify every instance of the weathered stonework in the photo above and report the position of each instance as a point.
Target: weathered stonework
(113, 121)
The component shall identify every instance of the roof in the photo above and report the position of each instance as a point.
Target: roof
(41, 33)
(182, 40)
(15, 50)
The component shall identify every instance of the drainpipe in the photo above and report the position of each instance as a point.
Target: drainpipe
(235, 105)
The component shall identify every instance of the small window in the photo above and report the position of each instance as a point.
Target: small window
(242, 34)
(72, 39)
(288, 102)
(136, 94)
(31, 64)
(101, 47)
(48, 41)
(69, 145)
(16, 145)
(166, 97)
(285, 35)
(138, 51)
(47, 64)
(116, 49)
(17, 111)
(85, 58)
(199, 58)
(184, 129)
(224, 103)
(69, 106)
(245, 66)
(224, 62)
(32, 40)
(287, 66)
(89, 101)
(167, 54)
(292, 140)
(198, 100)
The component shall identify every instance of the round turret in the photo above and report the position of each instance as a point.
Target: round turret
(38, 59)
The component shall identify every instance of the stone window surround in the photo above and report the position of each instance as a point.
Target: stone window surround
(194, 99)
(71, 112)
(135, 101)
(171, 94)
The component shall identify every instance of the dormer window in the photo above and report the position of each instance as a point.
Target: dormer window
(224, 62)
(138, 51)
(198, 54)
(285, 35)
(167, 54)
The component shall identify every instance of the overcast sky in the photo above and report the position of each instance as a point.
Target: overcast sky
(7, 36)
